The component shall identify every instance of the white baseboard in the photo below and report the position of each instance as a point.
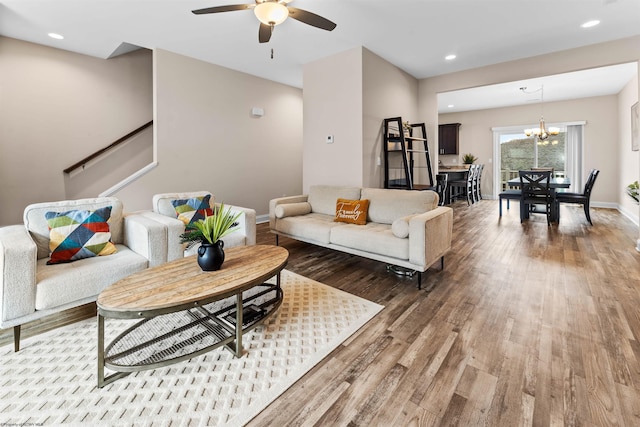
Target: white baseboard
(262, 218)
(633, 216)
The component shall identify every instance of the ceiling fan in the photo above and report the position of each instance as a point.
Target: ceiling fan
(271, 13)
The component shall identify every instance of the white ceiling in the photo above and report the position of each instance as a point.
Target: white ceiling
(415, 35)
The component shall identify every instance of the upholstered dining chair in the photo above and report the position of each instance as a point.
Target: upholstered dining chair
(583, 198)
(535, 192)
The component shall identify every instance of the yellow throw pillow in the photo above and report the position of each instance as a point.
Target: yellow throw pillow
(352, 211)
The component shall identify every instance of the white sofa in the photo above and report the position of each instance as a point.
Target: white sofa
(164, 213)
(404, 228)
(31, 289)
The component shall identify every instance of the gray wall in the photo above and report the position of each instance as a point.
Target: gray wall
(348, 95)
(207, 139)
(57, 107)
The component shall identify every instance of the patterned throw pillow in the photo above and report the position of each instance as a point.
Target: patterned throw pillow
(191, 210)
(352, 211)
(79, 234)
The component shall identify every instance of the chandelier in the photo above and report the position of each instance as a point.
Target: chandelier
(540, 132)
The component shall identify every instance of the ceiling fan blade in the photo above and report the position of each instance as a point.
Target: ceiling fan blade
(264, 33)
(218, 9)
(311, 18)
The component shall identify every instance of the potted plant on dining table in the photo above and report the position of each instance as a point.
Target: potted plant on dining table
(208, 232)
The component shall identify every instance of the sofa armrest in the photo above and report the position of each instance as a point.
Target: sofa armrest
(273, 203)
(430, 236)
(18, 257)
(146, 237)
(174, 228)
(246, 222)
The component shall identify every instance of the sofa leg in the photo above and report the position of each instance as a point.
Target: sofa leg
(442, 262)
(419, 280)
(277, 241)
(16, 338)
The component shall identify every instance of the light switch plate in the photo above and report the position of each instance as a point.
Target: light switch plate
(329, 139)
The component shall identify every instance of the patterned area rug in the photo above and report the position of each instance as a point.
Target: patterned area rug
(52, 379)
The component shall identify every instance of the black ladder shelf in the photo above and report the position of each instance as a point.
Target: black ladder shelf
(401, 159)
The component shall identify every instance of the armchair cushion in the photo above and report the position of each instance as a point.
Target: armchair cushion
(79, 234)
(192, 209)
(36, 222)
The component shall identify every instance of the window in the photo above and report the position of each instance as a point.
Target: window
(515, 151)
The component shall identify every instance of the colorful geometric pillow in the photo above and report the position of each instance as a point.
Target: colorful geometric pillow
(352, 211)
(191, 210)
(78, 234)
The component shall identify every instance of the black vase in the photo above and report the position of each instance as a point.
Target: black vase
(211, 256)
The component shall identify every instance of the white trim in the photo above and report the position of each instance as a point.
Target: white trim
(262, 218)
(128, 180)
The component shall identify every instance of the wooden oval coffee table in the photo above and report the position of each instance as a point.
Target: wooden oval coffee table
(185, 311)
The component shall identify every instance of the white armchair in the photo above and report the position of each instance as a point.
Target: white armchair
(164, 212)
(31, 289)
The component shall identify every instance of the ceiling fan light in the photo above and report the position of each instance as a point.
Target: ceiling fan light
(271, 13)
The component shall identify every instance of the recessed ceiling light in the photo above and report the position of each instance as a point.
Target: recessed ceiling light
(450, 106)
(590, 24)
(55, 36)
(450, 57)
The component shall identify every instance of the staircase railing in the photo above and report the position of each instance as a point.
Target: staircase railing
(111, 146)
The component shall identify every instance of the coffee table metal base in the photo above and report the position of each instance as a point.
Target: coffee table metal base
(173, 336)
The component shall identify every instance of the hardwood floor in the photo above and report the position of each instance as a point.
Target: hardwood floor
(526, 325)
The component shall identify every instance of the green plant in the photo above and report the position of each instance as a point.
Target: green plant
(211, 228)
(468, 159)
(632, 191)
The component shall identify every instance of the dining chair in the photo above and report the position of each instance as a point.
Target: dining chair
(477, 183)
(544, 169)
(509, 194)
(535, 192)
(441, 187)
(463, 187)
(583, 198)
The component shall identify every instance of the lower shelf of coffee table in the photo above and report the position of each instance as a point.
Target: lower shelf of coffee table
(170, 338)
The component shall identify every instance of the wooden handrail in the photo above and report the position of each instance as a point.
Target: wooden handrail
(107, 148)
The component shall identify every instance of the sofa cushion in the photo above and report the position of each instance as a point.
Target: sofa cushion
(385, 206)
(161, 203)
(313, 226)
(292, 209)
(323, 198)
(372, 237)
(36, 223)
(79, 234)
(352, 211)
(192, 209)
(400, 227)
(60, 284)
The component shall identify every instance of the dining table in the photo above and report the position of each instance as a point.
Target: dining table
(554, 185)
